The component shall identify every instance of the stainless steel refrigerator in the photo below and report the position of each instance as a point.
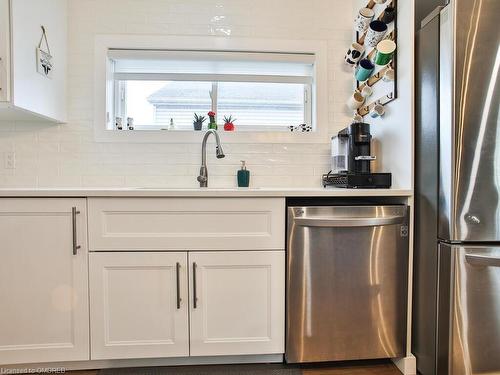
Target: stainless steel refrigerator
(456, 311)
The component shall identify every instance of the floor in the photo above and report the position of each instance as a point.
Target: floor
(358, 368)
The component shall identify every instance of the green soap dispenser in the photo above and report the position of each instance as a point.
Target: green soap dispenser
(243, 175)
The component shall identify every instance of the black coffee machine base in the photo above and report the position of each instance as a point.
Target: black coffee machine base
(358, 180)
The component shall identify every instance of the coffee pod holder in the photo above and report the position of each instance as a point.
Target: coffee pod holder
(385, 91)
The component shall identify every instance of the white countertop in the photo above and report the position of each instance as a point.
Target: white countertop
(204, 192)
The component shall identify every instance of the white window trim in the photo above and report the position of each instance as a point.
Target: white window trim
(104, 79)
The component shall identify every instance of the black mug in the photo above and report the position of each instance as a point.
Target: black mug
(389, 15)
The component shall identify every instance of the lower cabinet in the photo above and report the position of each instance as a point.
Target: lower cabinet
(43, 280)
(138, 305)
(238, 302)
(141, 307)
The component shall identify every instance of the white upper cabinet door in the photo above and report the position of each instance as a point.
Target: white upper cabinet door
(138, 305)
(186, 223)
(237, 302)
(32, 91)
(43, 281)
(4, 51)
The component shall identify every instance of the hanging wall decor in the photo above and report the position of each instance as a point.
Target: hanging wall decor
(44, 60)
(375, 61)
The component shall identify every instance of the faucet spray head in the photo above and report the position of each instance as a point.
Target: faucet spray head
(219, 152)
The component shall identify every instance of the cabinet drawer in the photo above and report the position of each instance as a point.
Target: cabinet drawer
(186, 223)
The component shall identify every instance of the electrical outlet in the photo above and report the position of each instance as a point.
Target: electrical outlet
(10, 160)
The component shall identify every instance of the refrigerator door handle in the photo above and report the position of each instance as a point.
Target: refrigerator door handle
(348, 221)
(482, 260)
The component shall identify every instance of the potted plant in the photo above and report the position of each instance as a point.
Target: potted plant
(198, 121)
(229, 123)
(212, 124)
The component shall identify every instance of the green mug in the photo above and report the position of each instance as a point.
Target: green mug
(385, 51)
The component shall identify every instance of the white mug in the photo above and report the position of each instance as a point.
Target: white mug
(357, 117)
(354, 54)
(366, 91)
(363, 19)
(355, 101)
(376, 32)
(389, 75)
(378, 110)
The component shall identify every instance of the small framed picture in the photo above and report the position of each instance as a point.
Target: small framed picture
(44, 64)
(44, 60)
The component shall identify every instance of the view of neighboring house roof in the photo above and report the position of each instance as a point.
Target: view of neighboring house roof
(229, 92)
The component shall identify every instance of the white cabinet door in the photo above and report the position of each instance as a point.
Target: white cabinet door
(43, 284)
(32, 91)
(237, 302)
(4, 51)
(138, 305)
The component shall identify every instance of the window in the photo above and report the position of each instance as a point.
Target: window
(162, 90)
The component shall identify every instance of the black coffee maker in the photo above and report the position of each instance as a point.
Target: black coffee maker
(351, 160)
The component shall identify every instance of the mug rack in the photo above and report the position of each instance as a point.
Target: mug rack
(360, 38)
(363, 111)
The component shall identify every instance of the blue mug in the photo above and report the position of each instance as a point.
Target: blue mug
(364, 70)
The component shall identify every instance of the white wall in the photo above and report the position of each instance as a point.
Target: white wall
(394, 130)
(68, 156)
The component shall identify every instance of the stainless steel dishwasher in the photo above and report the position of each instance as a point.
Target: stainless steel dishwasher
(347, 271)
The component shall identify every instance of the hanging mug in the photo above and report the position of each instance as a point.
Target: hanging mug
(364, 70)
(389, 75)
(354, 54)
(355, 101)
(366, 91)
(388, 15)
(378, 110)
(385, 51)
(375, 33)
(357, 118)
(363, 19)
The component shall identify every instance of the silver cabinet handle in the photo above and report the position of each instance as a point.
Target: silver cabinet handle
(365, 157)
(177, 269)
(348, 221)
(195, 297)
(482, 260)
(74, 212)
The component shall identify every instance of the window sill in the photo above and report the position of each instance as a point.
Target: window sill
(165, 136)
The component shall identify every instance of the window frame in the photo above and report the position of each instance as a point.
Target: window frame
(104, 82)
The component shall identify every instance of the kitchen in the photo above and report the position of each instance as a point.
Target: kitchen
(208, 187)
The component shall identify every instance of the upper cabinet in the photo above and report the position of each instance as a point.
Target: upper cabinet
(33, 63)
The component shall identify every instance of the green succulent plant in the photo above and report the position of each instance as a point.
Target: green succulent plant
(199, 118)
(229, 119)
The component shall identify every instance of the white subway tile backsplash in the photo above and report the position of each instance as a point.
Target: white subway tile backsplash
(68, 156)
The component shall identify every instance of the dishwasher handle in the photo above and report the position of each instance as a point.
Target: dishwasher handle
(331, 222)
